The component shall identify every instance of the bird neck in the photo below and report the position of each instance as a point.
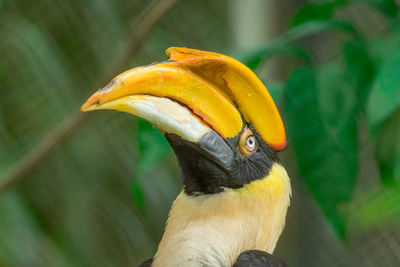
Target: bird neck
(212, 230)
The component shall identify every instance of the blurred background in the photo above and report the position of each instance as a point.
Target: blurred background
(95, 189)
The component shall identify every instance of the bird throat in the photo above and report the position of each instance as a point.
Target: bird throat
(213, 229)
(213, 164)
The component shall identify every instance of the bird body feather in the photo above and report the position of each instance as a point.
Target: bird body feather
(213, 230)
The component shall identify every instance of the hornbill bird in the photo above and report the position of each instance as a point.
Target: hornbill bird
(225, 131)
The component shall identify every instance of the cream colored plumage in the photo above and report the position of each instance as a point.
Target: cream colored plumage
(212, 230)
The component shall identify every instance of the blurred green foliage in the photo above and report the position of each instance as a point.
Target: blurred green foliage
(153, 148)
(76, 207)
(76, 210)
(324, 103)
(378, 208)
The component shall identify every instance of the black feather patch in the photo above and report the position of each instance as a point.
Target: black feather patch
(258, 258)
(147, 263)
(214, 163)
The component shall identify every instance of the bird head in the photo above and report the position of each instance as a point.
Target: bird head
(217, 115)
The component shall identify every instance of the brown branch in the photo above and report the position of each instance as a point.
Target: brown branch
(143, 26)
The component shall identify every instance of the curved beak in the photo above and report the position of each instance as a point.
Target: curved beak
(171, 98)
(193, 94)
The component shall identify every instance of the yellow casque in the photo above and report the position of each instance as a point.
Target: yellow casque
(215, 87)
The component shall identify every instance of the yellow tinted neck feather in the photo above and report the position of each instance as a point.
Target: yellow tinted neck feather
(212, 230)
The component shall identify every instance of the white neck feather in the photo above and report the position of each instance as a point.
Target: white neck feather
(212, 230)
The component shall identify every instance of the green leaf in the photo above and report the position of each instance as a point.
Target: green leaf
(275, 89)
(375, 208)
(384, 98)
(138, 195)
(317, 26)
(382, 110)
(252, 58)
(325, 11)
(317, 11)
(361, 69)
(283, 44)
(323, 136)
(153, 148)
(387, 7)
(382, 47)
(387, 150)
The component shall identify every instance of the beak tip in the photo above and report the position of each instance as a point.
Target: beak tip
(84, 107)
(279, 147)
(93, 100)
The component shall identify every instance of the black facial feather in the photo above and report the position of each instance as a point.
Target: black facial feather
(203, 174)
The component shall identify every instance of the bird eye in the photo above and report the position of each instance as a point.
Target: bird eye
(251, 143)
(247, 143)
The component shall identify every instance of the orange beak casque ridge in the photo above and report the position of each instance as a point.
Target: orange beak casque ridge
(216, 88)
